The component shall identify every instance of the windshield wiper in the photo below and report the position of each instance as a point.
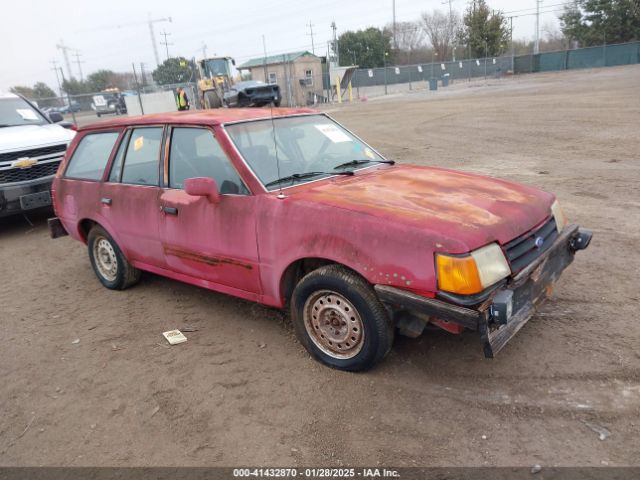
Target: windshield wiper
(353, 163)
(297, 176)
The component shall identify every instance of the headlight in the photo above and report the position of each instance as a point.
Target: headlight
(472, 273)
(558, 216)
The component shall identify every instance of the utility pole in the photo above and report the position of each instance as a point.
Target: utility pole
(536, 45)
(204, 50)
(264, 60)
(313, 48)
(453, 58)
(73, 115)
(395, 43)
(336, 50)
(513, 66)
(143, 80)
(135, 77)
(78, 62)
(55, 69)
(150, 22)
(65, 53)
(165, 43)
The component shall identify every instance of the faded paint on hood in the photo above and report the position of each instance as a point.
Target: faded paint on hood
(468, 208)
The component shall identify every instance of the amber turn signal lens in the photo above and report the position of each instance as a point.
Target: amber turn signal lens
(458, 275)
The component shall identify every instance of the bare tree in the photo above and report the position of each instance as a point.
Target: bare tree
(442, 30)
(409, 38)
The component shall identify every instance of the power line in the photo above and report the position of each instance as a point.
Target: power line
(165, 43)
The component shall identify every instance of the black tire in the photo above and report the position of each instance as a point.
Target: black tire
(98, 115)
(334, 283)
(123, 274)
(212, 99)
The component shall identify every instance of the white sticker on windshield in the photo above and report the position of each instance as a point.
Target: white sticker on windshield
(333, 133)
(27, 114)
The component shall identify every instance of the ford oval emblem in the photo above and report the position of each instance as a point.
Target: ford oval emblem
(539, 242)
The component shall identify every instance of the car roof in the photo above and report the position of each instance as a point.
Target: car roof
(215, 116)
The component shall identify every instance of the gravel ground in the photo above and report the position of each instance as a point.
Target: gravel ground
(242, 391)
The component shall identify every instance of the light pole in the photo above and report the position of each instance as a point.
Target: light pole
(433, 55)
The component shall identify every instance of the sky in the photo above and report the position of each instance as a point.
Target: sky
(114, 34)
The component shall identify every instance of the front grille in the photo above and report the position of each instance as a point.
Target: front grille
(39, 170)
(523, 250)
(34, 152)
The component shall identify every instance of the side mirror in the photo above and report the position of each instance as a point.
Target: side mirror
(56, 117)
(202, 187)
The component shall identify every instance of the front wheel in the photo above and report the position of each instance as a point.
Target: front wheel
(339, 319)
(109, 263)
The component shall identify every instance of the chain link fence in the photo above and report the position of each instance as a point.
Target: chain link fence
(320, 88)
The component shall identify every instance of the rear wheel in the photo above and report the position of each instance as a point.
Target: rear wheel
(109, 263)
(339, 319)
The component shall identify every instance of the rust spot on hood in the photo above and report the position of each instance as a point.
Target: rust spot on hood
(445, 200)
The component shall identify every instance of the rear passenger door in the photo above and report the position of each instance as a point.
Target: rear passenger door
(129, 197)
(211, 242)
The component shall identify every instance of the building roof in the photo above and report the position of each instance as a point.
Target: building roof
(215, 116)
(274, 59)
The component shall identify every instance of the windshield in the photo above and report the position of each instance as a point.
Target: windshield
(16, 112)
(216, 67)
(305, 144)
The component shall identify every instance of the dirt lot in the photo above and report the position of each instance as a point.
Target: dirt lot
(243, 391)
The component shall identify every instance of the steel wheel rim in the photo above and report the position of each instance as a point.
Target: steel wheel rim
(105, 259)
(333, 324)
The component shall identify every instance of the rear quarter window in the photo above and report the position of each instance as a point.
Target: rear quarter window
(91, 156)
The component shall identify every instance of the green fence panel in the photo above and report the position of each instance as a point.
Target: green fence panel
(591, 57)
(523, 64)
(552, 61)
(623, 54)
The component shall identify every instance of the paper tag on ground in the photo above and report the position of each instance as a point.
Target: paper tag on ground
(333, 133)
(174, 337)
(27, 114)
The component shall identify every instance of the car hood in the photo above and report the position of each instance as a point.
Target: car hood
(470, 210)
(33, 136)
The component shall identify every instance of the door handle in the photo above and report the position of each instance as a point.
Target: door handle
(106, 201)
(169, 210)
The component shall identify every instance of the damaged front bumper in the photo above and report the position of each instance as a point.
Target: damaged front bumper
(500, 316)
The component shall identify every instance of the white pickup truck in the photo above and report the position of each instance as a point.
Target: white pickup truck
(32, 145)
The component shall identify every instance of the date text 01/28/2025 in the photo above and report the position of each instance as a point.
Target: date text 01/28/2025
(315, 473)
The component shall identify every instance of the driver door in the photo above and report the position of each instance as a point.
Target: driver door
(211, 242)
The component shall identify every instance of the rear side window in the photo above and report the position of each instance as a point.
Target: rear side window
(141, 160)
(196, 153)
(91, 156)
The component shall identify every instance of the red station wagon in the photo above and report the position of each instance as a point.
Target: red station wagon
(291, 208)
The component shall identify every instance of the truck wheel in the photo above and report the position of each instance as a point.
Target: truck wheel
(339, 319)
(98, 115)
(109, 264)
(212, 99)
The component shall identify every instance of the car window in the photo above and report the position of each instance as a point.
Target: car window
(14, 112)
(310, 143)
(116, 165)
(195, 152)
(91, 155)
(141, 160)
